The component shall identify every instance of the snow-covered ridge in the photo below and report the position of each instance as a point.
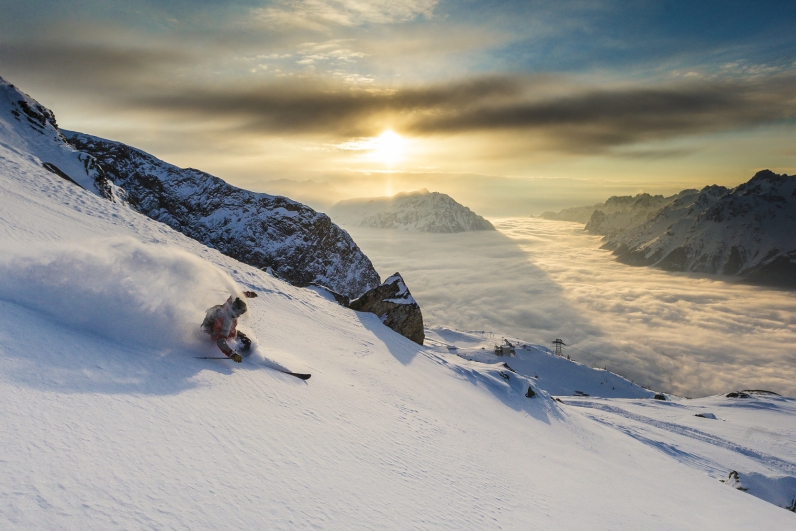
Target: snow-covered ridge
(621, 212)
(299, 244)
(421, 211)
(30, 130)
(748, 231)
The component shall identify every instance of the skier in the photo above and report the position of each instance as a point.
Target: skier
(221, 321)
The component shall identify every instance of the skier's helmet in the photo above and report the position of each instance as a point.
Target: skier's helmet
(238, 306)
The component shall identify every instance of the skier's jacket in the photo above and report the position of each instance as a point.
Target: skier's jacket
(220, 322)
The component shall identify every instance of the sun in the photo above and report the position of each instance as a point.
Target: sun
(389, 148)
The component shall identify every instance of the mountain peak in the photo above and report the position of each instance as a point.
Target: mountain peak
(420, 211)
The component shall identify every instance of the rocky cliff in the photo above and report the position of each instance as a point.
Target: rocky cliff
(299, 244)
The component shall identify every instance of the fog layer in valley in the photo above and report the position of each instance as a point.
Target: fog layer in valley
(540, 280)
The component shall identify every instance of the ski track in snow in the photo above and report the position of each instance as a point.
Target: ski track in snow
(642, 434)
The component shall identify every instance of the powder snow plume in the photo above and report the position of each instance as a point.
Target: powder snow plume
(118, 288)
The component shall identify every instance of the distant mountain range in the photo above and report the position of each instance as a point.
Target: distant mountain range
(749, 230)
(299, 244)
(420, 211)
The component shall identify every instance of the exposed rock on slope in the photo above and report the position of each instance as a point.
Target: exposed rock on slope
(749, 230)
(421, 211)
(29, 128)
(298, 243)
(396, 307)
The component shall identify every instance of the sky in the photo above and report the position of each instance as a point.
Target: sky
(512, 107)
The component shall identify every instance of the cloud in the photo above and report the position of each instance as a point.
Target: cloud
(539, 280)
(597, 119)
(89, 63)
(318, 14)
(300, 108)
(581, 120)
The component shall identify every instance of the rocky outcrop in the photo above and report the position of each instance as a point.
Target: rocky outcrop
(396, 307)
(420, 211)
(299, 244)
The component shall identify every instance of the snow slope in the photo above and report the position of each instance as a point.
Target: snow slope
(29, 131)
(421, 211)
(110, 423)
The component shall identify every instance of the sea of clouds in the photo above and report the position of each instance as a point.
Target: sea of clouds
(540, 280)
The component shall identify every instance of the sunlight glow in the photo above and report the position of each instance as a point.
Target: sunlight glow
(389, 148)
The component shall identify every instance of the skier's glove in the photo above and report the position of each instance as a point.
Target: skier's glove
(236, 357)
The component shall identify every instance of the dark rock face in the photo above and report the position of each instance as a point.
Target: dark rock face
(299, 244)
(396, 307)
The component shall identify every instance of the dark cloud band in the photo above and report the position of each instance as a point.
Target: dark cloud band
(85, 64)
(583, 120)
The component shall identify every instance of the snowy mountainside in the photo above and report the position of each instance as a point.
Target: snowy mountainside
(298, 243)
(617, 213)
(555, 374)
(621, 213)
(29, 130)
(718, 435)
(748, 231)
(131, 432)
(421, 211)
(745, 443)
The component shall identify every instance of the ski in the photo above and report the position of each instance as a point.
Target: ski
(298, 375)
